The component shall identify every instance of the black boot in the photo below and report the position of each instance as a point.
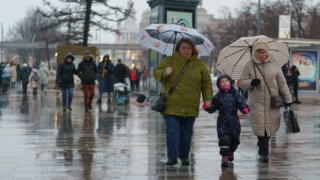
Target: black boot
(171, 161)
(109, 100)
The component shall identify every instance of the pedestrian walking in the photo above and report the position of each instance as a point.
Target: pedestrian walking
(145, 75)
(120, 72)
(138, 74)
(182, 105)
(133, 79)
(18, 74)
(260, 70)
(65, 79)
(6, 73)
(87, 71)
(44, 73)
(105, 78)
(227, 101)
(295, 82)
(34, 78)
(13, 76)
(24, 76)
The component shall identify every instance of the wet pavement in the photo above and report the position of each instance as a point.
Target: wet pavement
(39, 141)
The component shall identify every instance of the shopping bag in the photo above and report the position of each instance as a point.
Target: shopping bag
(291, 121)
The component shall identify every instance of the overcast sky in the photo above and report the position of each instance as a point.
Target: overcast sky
(12, 11)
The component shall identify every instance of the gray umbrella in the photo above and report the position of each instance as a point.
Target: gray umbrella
(234, 57)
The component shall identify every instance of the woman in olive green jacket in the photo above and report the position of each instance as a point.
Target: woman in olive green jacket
(183, 103)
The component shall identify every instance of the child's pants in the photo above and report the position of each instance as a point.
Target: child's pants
(227, 145)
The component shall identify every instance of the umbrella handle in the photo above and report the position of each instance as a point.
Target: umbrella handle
(174, 43)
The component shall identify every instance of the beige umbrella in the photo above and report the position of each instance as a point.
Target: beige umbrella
(234, 57)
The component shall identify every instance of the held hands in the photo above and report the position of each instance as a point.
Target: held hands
(255, 82)
(169, 70)
(206, 105)
(245, 111)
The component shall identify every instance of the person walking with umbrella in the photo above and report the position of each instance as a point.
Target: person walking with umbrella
(259, 72)
(182, 106)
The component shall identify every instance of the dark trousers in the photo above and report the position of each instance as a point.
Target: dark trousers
(227, 145)
(24, 88)
(132, 85)
(88, 92)
(263, 143)
(295, 93)
(137, 84)
(178, 135)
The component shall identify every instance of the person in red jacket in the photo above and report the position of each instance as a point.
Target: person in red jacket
(133, 78)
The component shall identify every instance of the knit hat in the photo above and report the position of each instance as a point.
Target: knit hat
(35, 67)
(25, 65)
(87, 53)
(260, 45)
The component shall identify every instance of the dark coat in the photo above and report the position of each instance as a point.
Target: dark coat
(65, 72)
(295, 74)
(87, 71)
(120, 72)
(18, 72)
(24, 75)
(228, 103)
(106, 82)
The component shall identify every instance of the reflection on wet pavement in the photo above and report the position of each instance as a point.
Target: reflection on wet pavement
(39, 141)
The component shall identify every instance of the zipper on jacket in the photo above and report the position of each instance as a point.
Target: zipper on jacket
(265, 105)
(187, 105)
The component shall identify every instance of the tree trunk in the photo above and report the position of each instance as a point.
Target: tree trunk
(87, 23)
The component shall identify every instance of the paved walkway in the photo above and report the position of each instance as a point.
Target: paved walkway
(39, 141)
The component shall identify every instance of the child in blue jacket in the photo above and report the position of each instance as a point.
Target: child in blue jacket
(227, 101)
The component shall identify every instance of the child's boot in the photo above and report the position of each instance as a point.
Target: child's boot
(224, 161)
(231, 156)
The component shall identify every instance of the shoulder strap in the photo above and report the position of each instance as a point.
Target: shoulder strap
(179, 77)
(264, 79)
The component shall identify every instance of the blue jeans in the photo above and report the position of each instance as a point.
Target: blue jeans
(178, 135)
(43, 87)
(64, 96)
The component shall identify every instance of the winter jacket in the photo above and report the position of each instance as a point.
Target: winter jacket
(24, 75)
(13, 77)
(18, 71)
(185, 98)
(65, 72)
(120, 71)
(8, 71)
(145, 73)
(287, 74)
(133, 75)
(295, 80)
(87, 71)
(228, 103)
(44, 73)
(34, 83)
(262, 116)
(106, 82)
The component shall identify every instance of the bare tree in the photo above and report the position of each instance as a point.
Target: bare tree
(29, 29)
(78, 16)
(298, 14)
(312, 27)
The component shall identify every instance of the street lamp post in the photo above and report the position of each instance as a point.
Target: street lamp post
(33, 47)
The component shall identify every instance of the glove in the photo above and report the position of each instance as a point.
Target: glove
(245, 111)
(255, 82)
(204, 106)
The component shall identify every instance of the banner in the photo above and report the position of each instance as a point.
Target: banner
(307, 62)
(284, 26)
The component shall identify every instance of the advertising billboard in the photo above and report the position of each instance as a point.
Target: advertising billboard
(307, 62)
(180, 18)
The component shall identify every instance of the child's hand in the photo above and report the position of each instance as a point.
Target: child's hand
(245, 111)
(206, 105)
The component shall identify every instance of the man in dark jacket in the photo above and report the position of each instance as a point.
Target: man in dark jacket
(105, 77)
(120, 72)
(24, 77)
(87, 71)
(65, 79)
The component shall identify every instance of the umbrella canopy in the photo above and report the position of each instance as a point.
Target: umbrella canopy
(163, 37)
(234, 57)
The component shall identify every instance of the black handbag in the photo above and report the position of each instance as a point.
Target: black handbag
(159, 104)
(292, 125)
(276, 101)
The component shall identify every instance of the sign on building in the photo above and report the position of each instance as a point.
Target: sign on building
(180, 18)
(284, 26)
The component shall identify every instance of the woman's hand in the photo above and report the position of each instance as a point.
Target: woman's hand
(169, 70)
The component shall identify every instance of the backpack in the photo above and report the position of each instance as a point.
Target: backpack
(36, 76)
